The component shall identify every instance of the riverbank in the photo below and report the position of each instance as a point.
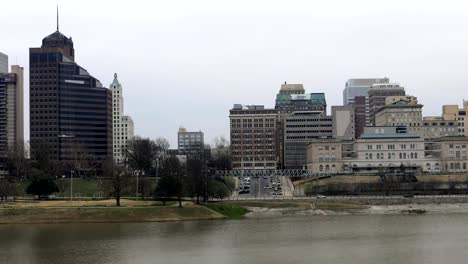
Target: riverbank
(113, 214)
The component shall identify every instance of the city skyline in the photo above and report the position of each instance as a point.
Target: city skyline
(186, 59)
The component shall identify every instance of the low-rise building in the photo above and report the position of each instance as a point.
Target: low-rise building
(450, 153)
(191, 143)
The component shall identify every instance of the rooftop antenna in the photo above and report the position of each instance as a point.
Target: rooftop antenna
(57, 19)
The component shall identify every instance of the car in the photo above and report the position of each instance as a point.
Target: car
(408, 195)
(320, 196)
(266, 187)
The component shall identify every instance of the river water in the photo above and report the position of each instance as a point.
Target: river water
(382, 239)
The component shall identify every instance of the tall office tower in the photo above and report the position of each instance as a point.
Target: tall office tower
(292, 98)
(253, 137)
(360, 87)
(360, 115)
(191, 144)
(377, 95)
(3, 63)
(122, 125)
(11, 114)
(70, 111)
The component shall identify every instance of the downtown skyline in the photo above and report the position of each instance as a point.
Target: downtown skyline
(198, 69)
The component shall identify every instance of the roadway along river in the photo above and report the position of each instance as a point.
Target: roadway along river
(382, 239)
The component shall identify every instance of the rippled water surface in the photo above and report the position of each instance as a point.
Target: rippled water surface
(380, 239)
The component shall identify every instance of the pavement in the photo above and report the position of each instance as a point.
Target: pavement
(263, 188)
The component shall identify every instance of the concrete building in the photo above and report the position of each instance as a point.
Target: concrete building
(360, 87)
(409, 99)
(11, 114)
(299, 129)
(343, 122)
(437, 126)
(453, 112)
(360, 115)
(449, 153)
(292, 98)
(3, 63)
(378, 94)
(253, 137)
(70, 111)
(122, 125)
(190, 144)
(398, 113)
(379, 149)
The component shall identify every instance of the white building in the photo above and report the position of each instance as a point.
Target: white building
(123, 127)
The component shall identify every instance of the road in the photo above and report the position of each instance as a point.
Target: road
(263, 188)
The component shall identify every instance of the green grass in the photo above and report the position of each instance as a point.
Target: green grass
(269, 204)
(104, 215)
(230, 211)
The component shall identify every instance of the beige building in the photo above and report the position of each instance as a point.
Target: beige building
(401, 113)
(254, 139)
(407, 98)
(343, 122)
(450, 153)
(453, 112)
(377, 95)
(379, 149)
(437, 126)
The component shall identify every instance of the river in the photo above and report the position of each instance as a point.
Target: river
(383, 239)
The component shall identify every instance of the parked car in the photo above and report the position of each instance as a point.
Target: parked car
(320, 196)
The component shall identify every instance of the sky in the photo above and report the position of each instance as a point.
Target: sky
(185, 63)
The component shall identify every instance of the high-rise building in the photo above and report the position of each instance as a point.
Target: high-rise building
(377, 95)
(253, 137)
(360, 115)
(360, 87)
(299, 129)
(191, 143)
(11, 114)
(122, 125)
(70, 111)
(3, 63)
(291, 98)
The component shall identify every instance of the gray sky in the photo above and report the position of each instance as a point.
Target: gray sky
(184, 63)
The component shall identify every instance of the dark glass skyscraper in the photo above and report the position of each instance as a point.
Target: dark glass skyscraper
(70, 111)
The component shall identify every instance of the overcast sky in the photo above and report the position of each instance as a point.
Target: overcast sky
(185, 63)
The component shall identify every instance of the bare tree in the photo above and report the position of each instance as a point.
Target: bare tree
(118, 179)
(162, 145)
(141, 154)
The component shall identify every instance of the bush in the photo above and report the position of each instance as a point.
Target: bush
(42, 187)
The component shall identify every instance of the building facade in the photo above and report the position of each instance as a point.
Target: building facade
(70, 111)
(379, 149)
(343, 122)
(3, 63)
(122, 125)
(401, 113)
(360, 115)
(378, 94)
(299, 129)
(360, 87)
(253, 137)
(450, 154)
(191, 144)
(453, 112)
(437, 126)
(11, 114)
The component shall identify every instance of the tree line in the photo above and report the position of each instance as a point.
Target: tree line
(144, 158)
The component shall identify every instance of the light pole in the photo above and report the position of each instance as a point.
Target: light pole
(71, 185)
(137, 172)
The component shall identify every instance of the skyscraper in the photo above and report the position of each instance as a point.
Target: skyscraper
(70, 111)
(360, 87)
(3, 63)
(122, 125)
(11, 114)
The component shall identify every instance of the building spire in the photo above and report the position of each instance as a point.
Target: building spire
(57, 19)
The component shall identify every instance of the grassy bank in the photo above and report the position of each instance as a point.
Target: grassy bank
(230, 211)
(105, 214)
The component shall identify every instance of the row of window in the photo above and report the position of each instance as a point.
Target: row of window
(391, 156)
